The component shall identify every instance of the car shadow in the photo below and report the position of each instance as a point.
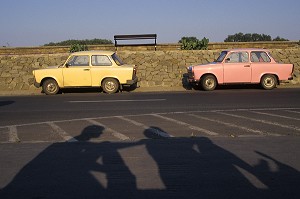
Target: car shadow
(81, 90)
(5, 103)
(125, 88)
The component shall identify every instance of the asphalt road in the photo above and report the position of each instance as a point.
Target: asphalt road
(229, 143)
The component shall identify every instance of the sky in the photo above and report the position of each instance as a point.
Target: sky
(38, 22)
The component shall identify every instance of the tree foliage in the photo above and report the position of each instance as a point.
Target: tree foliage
(81, 42)
(192, 43)
(248, 37)
(279, 39)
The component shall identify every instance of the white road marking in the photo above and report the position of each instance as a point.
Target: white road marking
(275, 115)
(113, 132)
(261, 121)
(146, 114)
(62, 133)
(13, 134)
(231, 125)
(105, 101)
(187, 125)
(292, 111)
(154, 130)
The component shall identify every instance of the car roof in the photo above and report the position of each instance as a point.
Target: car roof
(247, 49)
(93, 52)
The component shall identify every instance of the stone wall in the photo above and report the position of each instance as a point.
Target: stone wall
(155, 68)
(159, 47)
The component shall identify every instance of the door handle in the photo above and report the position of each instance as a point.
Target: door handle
(246, 65)
(86, 69)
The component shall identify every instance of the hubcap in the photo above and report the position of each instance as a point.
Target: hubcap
(209, 83)
(110, 86)
(51, 88)
(269, 82)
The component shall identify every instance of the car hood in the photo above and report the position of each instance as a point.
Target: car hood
(208, 64)
(204, 65)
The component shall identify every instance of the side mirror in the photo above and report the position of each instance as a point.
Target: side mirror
(67, 65)
(227, 60)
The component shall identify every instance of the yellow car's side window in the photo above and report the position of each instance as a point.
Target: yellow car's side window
(101, 60)
(81, 60)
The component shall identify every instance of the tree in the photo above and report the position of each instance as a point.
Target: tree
(81, 42)
(279, 39)
(248, 37)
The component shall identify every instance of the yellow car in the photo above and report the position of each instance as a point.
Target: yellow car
(87, 69)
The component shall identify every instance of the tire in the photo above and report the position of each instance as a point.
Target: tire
(208, 82)
(110, 85)
(268, 82)
(50, 87)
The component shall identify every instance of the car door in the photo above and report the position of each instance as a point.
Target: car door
(101, 68)
(77, 72)
(237, 68)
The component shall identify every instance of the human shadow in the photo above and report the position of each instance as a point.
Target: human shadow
(187, 167)
(198, 168)
(75, 169)
(283, 181)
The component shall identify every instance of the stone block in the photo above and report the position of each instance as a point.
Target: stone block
(5, 74)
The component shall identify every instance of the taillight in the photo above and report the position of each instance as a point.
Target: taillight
(134, 71)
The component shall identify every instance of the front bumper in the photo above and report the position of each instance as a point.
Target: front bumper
(36, 84)
(191, 80)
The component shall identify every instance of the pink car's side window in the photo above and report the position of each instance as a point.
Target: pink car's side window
(260, 56)
(237, 57)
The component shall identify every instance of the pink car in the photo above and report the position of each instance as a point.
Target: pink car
(241, 66)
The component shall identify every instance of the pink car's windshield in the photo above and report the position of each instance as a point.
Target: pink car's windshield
(222, 56)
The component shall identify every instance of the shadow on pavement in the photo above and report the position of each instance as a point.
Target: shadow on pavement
(5, 103)
(186, 167)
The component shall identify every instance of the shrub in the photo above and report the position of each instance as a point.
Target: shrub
(77, 47)
(192, 43)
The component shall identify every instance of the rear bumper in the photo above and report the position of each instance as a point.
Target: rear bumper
(132, 81)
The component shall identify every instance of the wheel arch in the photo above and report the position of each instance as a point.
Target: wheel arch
(109, 78)
(274, 74)
(107, 88)
(209, 74)
(46, 78)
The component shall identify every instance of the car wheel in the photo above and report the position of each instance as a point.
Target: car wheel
(110, 85)
(208, 82)
(50, 87)
(268, 82)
